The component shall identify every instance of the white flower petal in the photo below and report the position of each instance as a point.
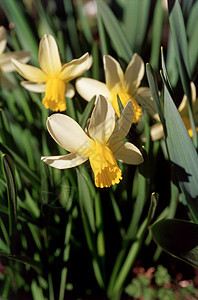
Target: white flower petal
(29, 72)
(49, 58)
(75, 68)
(128, 153)
(64, 161)
(102, 121)
(134, 73)
(122, 126)
(88, 88)
(144, 98)
(113, 72)
(34, 87)
(156, 132)
(3, 40)
(6, 63)
(68, 134)
(69, 91)
(183, 107)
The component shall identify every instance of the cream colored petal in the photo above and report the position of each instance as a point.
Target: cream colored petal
(88, 88)
(29, 72)
(64, 161)
(144, 98)
(34, 87)
(3, 40)
(122, 126)
(113, 72)
(156, 132)
(49, 58)
(183, 107)
(6, 83)
(75, 68)
(68, 134)
(134, 73)
(102, 121)
(70, 91)
(129, 154)
(6, 63)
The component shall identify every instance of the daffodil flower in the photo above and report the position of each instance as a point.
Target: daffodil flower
(53, 77)
(126, 86)
(157, 129)
(5, 59)
(101, 144)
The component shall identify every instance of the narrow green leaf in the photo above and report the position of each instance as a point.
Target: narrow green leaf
(182, 152)
(180, 43)
(84, 22)
(15, 13)
(179, 238)
(157, 33)
(29, 175)
(102, 35)
(117, 280)
(12, 194)
(23, 259)
(192, 29)
(86, 113)
(72, 29)
(152, 80)
(85, 199)
(114, 30)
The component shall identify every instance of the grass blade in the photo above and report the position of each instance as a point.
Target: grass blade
(12, 194)
(114, 31)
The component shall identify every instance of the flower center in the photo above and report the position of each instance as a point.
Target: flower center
(104, 166)
(55, 95)
(124, 98)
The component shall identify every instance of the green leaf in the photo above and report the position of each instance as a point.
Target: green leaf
(23, 259)
(192, 29)
(12, 194)
(86, 113)
(117, 279)
(152, 80)
(179, 238)
(85, 199)
(180, 43)
(157, 33)
(21, 165)
(182, 152)
(114, 31)
(15, 14)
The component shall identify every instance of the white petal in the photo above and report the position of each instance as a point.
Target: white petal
(64, 161)
(67, 133)
(6, 83)
(34, 87)
(128, 153)
(6, 63)
(122, 126)
(70, 91)
(75, 68)
(156, 132)
(88, 88)
(144, 98)
(102, 122)
(3, 40)
(183, 107)
(113, 72)
(134, 73)
(49, 58)
(29, 72)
